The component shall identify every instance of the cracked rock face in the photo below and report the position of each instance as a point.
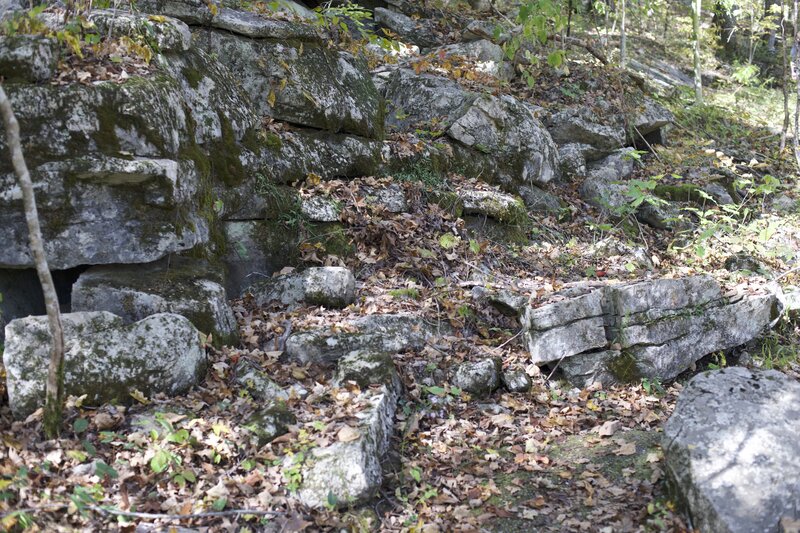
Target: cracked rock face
(103, 358)
(654, 329)
(731, 448)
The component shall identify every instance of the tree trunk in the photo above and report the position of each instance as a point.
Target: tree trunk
(786, 80)
(698, 78)
(54, 392)
(623, 52)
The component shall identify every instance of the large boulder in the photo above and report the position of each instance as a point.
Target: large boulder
(731, 449)
(584, 126)
(103, 358)
(496, 137)
(105, 161)
(134, 292)
(306, 84)
(27, 58)
(406, 29)
(651, 329)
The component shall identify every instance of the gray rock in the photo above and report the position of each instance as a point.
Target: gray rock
(516, 149)
(651, 116)
(310, 84)
(480, 378)
(103, 358)
(391, 197)
(169, 35)
(488, 57)
(646, 301)
(581, 125)
(406, 28)
(481, 29)
(573, 159)
(493, 204)
(515, 381)
(731, 449)
(373, 334)
(321, 208)
(605, 366)
(258, 384)
(323, 286)
(134, 292)
(365, 369)
(27, 58)
(133, 206)
(718, 192)
(347, 473)
(269, 423)
(785, 204)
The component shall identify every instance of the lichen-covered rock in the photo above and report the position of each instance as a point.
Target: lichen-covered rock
(325, 286)
(480, 378)
(507, 302)
(657, 329)
(565, 328)
(103, 359)
(168, 34)
(496, 137)
(309, 85)
(731, 450)
(134, 292)
(367, 368)
(407, 29)
(651, 116)
(27, 58)
(515, 381)
(368, 334)
(270, 422)
(573, 159)
(499, 206)
(257, 383)
(321, 208)
(349, 472)
(105, 160)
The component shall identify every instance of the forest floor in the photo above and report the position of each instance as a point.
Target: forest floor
(554, 459)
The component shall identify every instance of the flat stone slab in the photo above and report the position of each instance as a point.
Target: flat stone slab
(731, 446)
(325, 286)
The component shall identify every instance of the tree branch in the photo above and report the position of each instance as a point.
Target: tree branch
(54, 394)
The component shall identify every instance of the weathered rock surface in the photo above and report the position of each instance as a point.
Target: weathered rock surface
(258, 384)
(406, 28)
(654, 329)
(488, 57)
(366, 368)
(497, 137)
(499, 206)
(372, 334)
(731, 449)
(27, 58)
(103, 358)
(515, 381)
(325, 286)
(270, 422)
(134, 292)
(583, 126)
(111, 185)
(480, 378)
(308, 85)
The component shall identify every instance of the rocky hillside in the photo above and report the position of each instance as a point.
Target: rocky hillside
(348, 269)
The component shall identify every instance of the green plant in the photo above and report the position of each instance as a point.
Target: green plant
(653, 386)
(411, 293)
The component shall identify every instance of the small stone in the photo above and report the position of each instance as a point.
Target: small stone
(742, 262)
(480, 378)
(257, 383)
(515, 381)
(324, 286)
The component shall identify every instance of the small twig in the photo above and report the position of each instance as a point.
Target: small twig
(517, 334)
(790, 271)
(160, 516)
(649, 147)
(554, 368)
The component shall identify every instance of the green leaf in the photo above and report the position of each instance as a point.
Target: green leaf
(102, 469)
(80, 425)
(448, 241)
(474, 246)
(416, 474)
(160, 461)
(219, 504)
(435, 390)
